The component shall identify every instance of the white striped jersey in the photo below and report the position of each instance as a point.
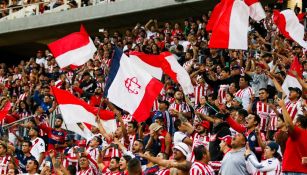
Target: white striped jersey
(270, 166)
(245, 95)
(222, 93)
(200, 90)
(4, 162)
(263, 110)
(294, 108)
(201, 169)
(163, 172)
(181, 107)
(93, 152)
(273, 121)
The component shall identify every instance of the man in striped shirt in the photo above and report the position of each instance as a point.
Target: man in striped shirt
(245, 92)
(179, 106)
(4, 159)
(294, 106)
(200, 166)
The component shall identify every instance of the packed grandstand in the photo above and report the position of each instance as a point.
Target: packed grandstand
(238, 120)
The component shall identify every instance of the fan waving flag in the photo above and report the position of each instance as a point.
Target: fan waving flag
(74, 49)
(130, 87)
(290, 80)
(256, 10)
(75, 110)
(167, 62)
(289, 25)
(231, 26)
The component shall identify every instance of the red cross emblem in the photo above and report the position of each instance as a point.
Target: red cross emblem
(132, 85)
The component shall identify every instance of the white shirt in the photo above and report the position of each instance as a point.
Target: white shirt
(266, 167)
(41, 61)
(179, 137)
(38, 146)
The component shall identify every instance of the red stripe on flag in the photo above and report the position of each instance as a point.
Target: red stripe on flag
(280, 21)
(220, 34)
(65, 44)
(250, 2)
(151, 92)
(65, 97)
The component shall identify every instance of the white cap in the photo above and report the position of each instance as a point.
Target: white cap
(184, 148)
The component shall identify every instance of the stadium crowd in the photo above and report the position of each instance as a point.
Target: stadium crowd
(238, 121)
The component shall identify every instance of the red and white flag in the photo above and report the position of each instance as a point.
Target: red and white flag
(291, 80)
(166, 62)
(289, 25)
(75, 110)
(256, 10)
(231, 26)
(74, 49)
(214, 16)
(130, 87)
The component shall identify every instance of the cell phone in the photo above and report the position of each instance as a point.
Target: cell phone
(80, 150)
(279, 95)
(101, 30)
(114, 145)
(270, 101)
(48, 163)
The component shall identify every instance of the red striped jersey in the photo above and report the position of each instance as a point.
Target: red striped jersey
(244, 95)
(273, 121)
(155, 106)
(263, 110)
(199, 91)
(201, 169)
(294, 108)
(181, 107)
(23, 96)
(92, 169)
(199, 140)
(70, 158)
(222, 93)
(163, 172)
(4, 162)
(93, 152)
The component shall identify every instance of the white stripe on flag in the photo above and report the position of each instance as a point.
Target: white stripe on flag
(153, 71)
(238, 26)
(77, 56)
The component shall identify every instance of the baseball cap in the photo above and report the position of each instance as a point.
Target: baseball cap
(205, 124)
(220, 116)
(155, 127)
(184, 148)
(227, 139)
(273, 146)
(236, 67)
(296, 89)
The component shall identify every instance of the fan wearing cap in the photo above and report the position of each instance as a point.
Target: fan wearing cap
(219, 128)
(200, 136)
(179, 165)
(157, 133)
(294, 105)
(270, 165)
(296, 144)
(237, 102)
(201, 89)
(88, 84)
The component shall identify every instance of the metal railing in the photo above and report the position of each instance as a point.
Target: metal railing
(25, 10)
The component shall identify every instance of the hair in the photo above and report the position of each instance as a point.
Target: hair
(116, 159)
(177, 123)
(281, 117)
(245, 78)
(72, 169)
(303, 120)
(199, 152)
(134, 166)
(257, 119)
(127, 158)
(99, 140)
(59, 117)
(35, 163)
(134, 124)
(29, 142)
(264, 89)
(243, 112)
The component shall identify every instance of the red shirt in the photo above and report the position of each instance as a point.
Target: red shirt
(296, 148)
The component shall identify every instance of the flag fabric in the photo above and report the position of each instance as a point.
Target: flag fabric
(74, 49)
(291, 80)
(130, 87)
(167, 62)
(256, 10)
(5, 110)
(231, 26)
(289, 25)
(75, 110)
(214, 16)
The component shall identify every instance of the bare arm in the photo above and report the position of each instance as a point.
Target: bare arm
(286, 115)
